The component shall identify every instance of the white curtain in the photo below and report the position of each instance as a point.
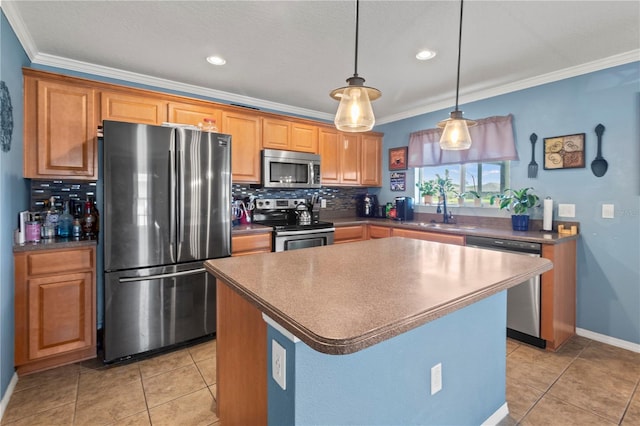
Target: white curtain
(492, 140)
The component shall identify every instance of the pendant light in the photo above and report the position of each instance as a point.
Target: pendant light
(354, 112)
(455, 135)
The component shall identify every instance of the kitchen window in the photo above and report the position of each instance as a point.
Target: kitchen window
(485, 179)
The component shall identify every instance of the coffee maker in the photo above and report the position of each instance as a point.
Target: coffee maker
(404, 208)
(366, 205)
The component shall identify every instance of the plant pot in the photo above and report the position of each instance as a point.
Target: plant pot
(520, 222)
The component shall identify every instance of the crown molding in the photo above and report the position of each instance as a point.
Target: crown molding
(600, 64)
(18, 26)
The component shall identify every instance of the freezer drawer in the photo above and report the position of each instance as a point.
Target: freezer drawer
(153, 308)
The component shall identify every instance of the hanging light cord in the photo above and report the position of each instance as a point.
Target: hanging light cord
(355, 72)
(459, 49)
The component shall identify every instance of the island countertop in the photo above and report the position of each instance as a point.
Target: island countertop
(339, 299)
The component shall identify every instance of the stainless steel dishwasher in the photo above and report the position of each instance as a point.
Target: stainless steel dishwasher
(523, 300)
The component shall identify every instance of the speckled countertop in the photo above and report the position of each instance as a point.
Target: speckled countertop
(340, 299)
(463, 229)
(54, 243)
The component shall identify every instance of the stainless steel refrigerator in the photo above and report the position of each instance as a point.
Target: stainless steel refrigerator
(167, 198)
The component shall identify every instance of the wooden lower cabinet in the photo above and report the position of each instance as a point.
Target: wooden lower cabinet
(558, 294)
(241, 360)
(242, 245)
(429, 236)
(349, 234)
(379, 231)
(55, 307)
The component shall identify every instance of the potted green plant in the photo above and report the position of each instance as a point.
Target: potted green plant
(475, 195)
(519, 202)
(428, 189)
(445, 185)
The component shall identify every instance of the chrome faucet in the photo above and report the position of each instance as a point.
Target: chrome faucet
(446, 217)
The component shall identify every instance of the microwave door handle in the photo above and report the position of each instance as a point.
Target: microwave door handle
(311, 173)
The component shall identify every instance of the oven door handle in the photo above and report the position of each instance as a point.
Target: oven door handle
(305, 232)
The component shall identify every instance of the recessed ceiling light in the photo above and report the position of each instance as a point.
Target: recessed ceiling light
(216, 60)
(424, 55)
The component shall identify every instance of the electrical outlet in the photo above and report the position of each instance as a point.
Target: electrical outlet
(323, 203)
(566, 210)
(607, 211)
(436, 378)
(279, 364)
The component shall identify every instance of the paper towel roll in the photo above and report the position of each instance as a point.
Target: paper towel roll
(547, 214)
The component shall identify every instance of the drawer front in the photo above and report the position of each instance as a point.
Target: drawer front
(250, 244)
(60, 261)
(379, 231)
(345, 234)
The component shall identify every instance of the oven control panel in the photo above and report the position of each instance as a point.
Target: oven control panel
(278, 203)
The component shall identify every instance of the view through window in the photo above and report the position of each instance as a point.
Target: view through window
(470, 184)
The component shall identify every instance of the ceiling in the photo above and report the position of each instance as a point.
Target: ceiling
(288, 55)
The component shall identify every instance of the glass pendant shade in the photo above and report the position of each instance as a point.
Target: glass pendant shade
(455, 135)
(354, 112)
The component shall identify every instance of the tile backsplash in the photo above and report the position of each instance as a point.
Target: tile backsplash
(62, 190)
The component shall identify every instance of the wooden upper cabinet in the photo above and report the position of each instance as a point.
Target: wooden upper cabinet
(371, 171)
(131, 108)
(304, 137)
(246, 134)
(329, 156)
(340, 158)
(289, 135)
(184, 113)
(59, 130)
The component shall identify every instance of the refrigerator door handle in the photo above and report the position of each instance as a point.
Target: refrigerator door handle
(181, 194)
(160, 276)
(172, 189)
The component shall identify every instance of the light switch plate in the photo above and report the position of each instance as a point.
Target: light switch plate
(436, 378)
(323, 203)
(607, 211)
(566, 210)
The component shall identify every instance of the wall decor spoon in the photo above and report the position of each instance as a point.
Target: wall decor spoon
(599, 165)
(533, 166)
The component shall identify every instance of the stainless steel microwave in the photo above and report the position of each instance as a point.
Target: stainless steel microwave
(290, 169)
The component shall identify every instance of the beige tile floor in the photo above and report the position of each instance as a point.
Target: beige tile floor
(584, 383)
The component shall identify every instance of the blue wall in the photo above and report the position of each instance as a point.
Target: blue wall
(389, 383)
(608, 249)
(13, 193)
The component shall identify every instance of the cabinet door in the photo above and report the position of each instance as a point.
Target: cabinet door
(246, 134)
(429, 236)
(60, 130)
(329, 156)
(193, 114)
(304, 138)
(371, 173)
(379, 232)
(60, 314)
(347, 234)
(133, 109)
(275, 134)
(250, 244)
(350, 159)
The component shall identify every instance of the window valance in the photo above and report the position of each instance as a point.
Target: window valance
(492, 141)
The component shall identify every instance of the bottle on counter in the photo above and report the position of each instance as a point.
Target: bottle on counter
(88, 221)
(50, 219)
(96, 214)
(65, 222)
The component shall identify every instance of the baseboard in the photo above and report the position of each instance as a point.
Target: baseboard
(634, 347)
(7, 395)
(500, 414)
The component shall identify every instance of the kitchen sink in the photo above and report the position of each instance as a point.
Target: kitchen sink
(446, 225)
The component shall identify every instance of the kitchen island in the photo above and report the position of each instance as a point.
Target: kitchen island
(362, 326)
